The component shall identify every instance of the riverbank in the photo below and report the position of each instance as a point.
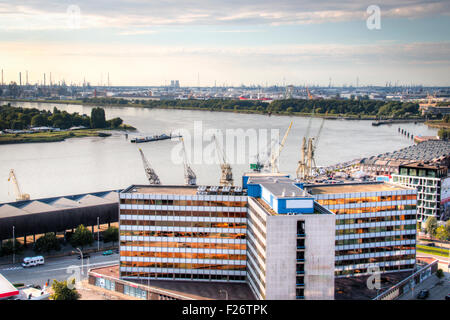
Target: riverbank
(438, 124)
(55, 136)
(241, 111)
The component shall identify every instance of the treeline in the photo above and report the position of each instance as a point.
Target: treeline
(376, 108)
(18, 118)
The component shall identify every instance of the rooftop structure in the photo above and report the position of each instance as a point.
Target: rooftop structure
(431, 150)
(32, 217)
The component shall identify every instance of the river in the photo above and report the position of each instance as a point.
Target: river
(81, 165)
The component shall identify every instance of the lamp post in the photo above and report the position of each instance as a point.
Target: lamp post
(81, 253)
(14, 245)
(98, 234)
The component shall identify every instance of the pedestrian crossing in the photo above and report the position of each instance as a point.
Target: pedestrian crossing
(12, 268)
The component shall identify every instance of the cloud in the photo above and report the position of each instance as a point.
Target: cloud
(136, 14)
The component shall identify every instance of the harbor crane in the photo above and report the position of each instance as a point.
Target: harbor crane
(276, 155)
(19, 195)
(226, 178)
(149, 172)
(307, 164)
(189, 174)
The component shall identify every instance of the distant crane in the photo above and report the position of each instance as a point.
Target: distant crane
(189, 174)
(149, 172)
(226, 178)
(307, 164)
(276, 154)
(19, 195)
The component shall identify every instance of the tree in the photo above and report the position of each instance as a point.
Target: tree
(39, 120)
(115, 123)
(8, 247)
(431, 226)
(111, 235)
(47, 243)
(81, 237)
(98, 119)
(442, 233)
(61, 291)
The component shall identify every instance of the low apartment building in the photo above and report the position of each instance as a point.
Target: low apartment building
(431, 182)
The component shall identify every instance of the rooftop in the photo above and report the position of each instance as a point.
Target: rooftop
(184, 190)
(353, 188)
(197, 290)
(156, 189)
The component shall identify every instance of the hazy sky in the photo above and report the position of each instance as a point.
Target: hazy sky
(146, 42)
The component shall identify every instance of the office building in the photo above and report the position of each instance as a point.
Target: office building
(375, 225)
(290, 242)
(183, 233)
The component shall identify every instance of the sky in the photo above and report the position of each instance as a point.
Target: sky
(209, 42)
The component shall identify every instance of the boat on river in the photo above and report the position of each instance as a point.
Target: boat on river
(154, 138)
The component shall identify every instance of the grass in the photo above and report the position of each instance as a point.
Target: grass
(48, 136)
(432, 250)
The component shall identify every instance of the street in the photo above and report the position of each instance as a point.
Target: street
(54, 268)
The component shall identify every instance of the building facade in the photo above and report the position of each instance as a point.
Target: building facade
(375, 226)
(429, 180)
(290, 242)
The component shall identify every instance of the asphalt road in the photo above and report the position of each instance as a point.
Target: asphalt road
(55, 268)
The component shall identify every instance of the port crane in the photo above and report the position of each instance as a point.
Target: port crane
(189, 174)
(226, 178)
(149, 172)
(307, 164)
(19, 195)
(274, 157)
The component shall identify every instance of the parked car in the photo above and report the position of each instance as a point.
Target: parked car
(447, 297)
(423, 294)
(431, 244)
(108, 252)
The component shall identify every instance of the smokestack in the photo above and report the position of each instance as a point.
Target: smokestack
(20, 78)
(50, 79)
(44, 79)
(27, 78)
(2, 77)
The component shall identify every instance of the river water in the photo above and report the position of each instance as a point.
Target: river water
(81, 165)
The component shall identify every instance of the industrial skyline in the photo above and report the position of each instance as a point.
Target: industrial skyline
(227, 43)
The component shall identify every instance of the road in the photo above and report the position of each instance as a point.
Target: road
(54, 268)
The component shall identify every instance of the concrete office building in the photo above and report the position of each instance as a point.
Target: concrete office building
(430, 180)
(278, 239)
(290, 242)
(375, 225)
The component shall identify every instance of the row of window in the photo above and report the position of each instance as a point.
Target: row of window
(188, 203)
(382, 269)
(376, 219)
(172, 276)
(183, 255)
(182, 234)
(258, 216)
(188, 213)
(374, 250)
(374, 209)
(330, 202)
(375, 239)
(180, 244)
(189, 224)
(374, 260)
(175, 265)
(376, 229)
